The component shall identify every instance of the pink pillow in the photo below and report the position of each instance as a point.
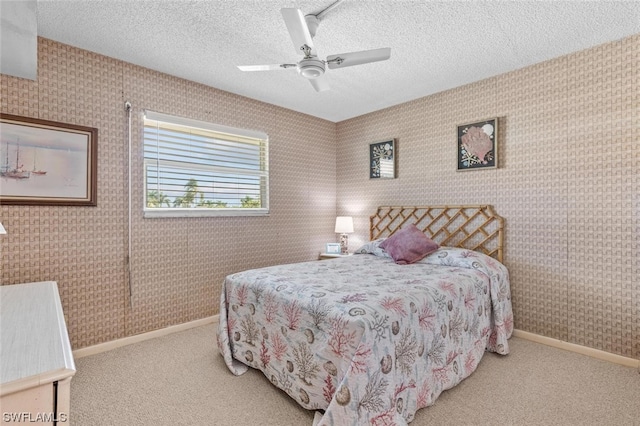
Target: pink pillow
(408, 245)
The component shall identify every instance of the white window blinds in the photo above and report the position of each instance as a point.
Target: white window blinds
(193, 166)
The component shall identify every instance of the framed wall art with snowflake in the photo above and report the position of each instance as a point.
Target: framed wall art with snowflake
(478, 145)
(382, 159)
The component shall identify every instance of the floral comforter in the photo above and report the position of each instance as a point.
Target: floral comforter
(363, 339)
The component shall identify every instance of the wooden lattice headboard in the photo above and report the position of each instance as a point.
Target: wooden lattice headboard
(476, 228)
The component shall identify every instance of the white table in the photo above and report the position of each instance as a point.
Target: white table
(36, 362)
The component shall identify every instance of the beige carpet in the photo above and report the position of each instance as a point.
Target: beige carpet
(181, 379)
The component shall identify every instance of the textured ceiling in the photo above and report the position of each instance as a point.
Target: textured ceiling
(435, 46)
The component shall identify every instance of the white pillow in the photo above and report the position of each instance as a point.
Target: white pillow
(373, 247)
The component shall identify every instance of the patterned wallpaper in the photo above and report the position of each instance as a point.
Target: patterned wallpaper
(178, 265)
(567, 184)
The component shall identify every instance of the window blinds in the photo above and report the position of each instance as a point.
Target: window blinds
(190, 164)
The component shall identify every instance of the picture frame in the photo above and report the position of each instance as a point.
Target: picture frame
(477, 146)
(333, 248)
(47, 163)
(382, 159)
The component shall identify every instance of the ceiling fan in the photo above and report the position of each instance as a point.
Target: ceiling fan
(302, 29)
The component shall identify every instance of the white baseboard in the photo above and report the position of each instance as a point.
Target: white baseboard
(107, 346)
(594, 353)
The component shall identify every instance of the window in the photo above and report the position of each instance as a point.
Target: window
(194, 168)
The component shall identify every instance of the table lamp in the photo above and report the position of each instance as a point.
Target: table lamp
(344, 226)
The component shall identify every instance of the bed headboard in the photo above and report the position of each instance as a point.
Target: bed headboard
(476, 228)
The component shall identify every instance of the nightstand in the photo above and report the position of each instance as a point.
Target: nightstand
(324, 256)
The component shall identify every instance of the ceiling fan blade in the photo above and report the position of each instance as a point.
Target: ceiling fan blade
(298, 29)
(320, 84)
(357, 58)
(271, 67)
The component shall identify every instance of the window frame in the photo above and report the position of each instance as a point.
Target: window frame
(164, 212)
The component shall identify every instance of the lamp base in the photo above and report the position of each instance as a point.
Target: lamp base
(344, 244)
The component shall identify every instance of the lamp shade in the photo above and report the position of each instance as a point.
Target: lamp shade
(2, 230)
(344, 224)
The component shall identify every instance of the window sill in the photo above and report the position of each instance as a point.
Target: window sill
(162, 213)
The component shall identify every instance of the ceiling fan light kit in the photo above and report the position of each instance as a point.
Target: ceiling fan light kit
(311, 67)
(302, 29)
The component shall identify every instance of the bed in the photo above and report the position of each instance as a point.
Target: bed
(367, 341)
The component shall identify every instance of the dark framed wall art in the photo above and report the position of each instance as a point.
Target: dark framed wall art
(478, 145)
(382, 159)
(47, 163)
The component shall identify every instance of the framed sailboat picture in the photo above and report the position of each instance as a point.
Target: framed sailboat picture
(47, 163)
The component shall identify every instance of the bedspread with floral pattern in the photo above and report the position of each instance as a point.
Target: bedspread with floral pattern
(366, 341)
